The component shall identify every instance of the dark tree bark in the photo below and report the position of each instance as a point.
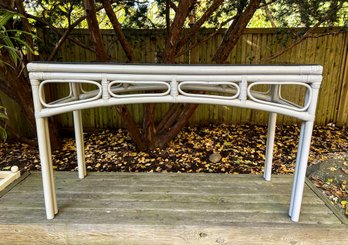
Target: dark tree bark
(194, 29)
(132, 128)
(149, 131)
(65, 35)
(169, 118)
(188, 111)
(27, 28)
(234, 32)
(168, 17)
(122, 110)
(117, 27)
(21, 88)
(175, 30)
(93, 26)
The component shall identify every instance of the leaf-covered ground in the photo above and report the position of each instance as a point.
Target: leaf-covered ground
(242, 150)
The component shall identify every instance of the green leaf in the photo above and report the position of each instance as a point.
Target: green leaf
(6, 15)
(3, 134)
(3, 116)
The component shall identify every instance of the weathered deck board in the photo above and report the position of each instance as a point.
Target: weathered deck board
(145, 208)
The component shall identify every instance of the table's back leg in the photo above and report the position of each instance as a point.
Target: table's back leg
(272, 119)
(80, 149)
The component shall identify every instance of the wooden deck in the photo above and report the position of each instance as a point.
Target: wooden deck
(149, 208)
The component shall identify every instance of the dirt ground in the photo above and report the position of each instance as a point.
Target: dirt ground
(230, 149)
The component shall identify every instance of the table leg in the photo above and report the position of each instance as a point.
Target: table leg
(80, 149)
(50, 165)
(46, 168)
(300, 173)
(299, 148)
(272, 119)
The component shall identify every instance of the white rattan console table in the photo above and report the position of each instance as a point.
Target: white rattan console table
(229, 85)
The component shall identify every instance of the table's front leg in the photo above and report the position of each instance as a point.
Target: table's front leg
(300, 170)
(46, 167)
(299, 148)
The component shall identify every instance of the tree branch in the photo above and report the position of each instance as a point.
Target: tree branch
(293, 44)
(26, 28)
(173, 6)
(59, 32)
(93, 27)
(66, 34)
(122, 110)
(168, 16)
(189, 109)
(175, 29)
(197, 43)
(269, 15)
(117, 27)
(234, 32)
(169, 119)
(149, 130)
(129, 123)
(193, 30)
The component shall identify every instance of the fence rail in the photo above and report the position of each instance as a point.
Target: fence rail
(254, 47)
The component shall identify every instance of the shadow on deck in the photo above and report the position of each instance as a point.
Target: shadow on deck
(163, 208)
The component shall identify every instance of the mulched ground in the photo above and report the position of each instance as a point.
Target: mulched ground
(242, 150)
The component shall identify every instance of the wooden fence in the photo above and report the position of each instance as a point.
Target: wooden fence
(254, 47)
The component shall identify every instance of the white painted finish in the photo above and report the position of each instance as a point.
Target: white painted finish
(175, 82)
(270, 145)
(302, 159)
(7, 177)
(174, 69)
(80, 149)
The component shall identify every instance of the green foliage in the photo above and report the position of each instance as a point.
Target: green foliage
(307, 13)
(11, 40)
(150, 14)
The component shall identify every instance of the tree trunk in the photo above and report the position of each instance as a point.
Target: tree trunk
(122, 110)
(131, 126)
(196, 26)
(93, 27)
(169, 118)
(175, 30)
(234, 32)
(188, 111)
(117, 27)
(149, 131)
(15, 78)
(21, 91)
